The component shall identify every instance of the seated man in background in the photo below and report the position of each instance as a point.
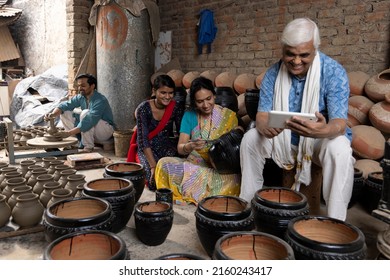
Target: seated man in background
(304, 80)
(94, 123)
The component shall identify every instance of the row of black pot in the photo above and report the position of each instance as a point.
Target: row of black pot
(276, 221)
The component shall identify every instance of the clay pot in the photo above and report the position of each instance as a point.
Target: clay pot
(11, 184)
(73, 181)
(380, 115)
(225, 79)
(28, 210)
(5, 211)
(226, 97)
(358, 108)
(177, 76)
(367, 166)
(153, 221)
(372, 191)
(243, 82)
(324, 238)
(10, 175)
(119, 192)
(58, 169)
(79, 192)
(180, 97)
(378, 85)
(252, 102)
(24, 164)
(219, 215)
(3, 164)
(5, 170)
(46, 161)
(358, 184)
(87, 245)
(77, 214)
(357, 81)
(367, 142)
(189, 77)
(54, 163)
(64, 176)
(275, 207)
(224, 153)
(58, 195)
(46, 193)
(134, 172)
(34, 175)
(210, 74)
(180, 256)
(25, 136)
(259, 79)
(246, 245)
(241, 105)
(41, 181)
(30, 169)
(16, 192)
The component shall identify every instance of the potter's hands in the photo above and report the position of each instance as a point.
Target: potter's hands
(307, 128)
(48, 117)
(63, 134)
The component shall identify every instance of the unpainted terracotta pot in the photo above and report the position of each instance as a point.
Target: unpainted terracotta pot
(11, 184)
(367, 142)
(46, 161)
(41, 180)
(24, 164)
(28, 210)
(259, 79)
(73, 181)
(243, 82)
(210, 74)
(46, 193)
(324, 238)
(380, 114)
(225, 79)
(58, 169)
(177, 76)
(357, 81)
(241, 105)
(5, 211)
(249, 245)
(358, 108)
(63, 179)
(87, 245)
(189, 77)
(367, 166)
(16, 192)
(58, 195)
(378, 85)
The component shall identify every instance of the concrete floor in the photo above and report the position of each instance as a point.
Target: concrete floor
(182, 237)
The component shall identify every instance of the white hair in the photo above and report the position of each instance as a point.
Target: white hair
(299, 31)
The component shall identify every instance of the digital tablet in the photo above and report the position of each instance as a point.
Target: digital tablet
(277, 119)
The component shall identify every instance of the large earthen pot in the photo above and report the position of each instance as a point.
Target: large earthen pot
(259, 79)
(243, 82)
(177, 76)
(377, 86)
(358, 108)
(210, 74)
(380, 114)
(241, 105)
(367, 166)
(225, 79)
(154, 76)
(357, 81)
(189, 77)
(367, 142)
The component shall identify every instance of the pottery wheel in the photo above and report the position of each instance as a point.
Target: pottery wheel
(40, 142)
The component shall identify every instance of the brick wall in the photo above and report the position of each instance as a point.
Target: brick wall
(356, 33)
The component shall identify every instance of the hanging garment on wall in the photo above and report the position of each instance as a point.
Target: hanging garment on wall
(206, 30)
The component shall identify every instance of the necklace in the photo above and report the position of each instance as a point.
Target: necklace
(205, 121)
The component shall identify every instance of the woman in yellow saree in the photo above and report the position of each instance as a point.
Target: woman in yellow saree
(193, 178)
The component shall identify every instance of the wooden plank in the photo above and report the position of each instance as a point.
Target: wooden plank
(85, 159)
(21, 231)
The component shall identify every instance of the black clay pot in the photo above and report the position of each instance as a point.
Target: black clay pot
(131, 171)
(249, 245)
(324, 238)
(87, 245)
(372, 191)
(119, 192)
(358, 184)
(180, 96)
(153, 221)
(225, 152)
(252, 102)
(77, 214)
(226, 97)
(220, 215)
(180, 256)
(274, 207)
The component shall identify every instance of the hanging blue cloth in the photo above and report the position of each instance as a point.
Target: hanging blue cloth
(206, 30)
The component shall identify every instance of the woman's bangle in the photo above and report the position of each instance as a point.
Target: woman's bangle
(184, 149)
